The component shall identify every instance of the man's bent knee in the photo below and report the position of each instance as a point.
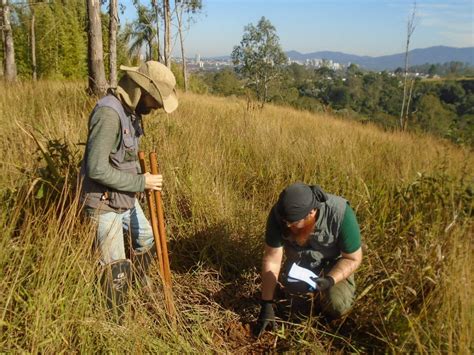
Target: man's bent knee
(336, 307)
(339, 299)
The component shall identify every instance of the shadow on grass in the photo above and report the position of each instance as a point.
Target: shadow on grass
(216, 247)
(235, 257)
(225, 267)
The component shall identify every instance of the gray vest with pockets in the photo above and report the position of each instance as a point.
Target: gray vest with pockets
(125, 159)
(323, 246)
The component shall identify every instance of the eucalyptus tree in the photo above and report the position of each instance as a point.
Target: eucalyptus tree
(113, 24)
(185, 8)
(95, 58)
(167, 32)
(259, 57)
(8, 44)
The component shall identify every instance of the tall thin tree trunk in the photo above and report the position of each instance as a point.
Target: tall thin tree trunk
(155, 5)
(410, 29)
(113, 21)
(167, 34)
(2, 60)
(9, 48)
(405, 77)
(265, 91)
(407, 112)
(185, 66)
(33, 43)
(179, 17)
(95, 59)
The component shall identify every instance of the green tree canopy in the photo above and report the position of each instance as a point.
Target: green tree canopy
(61, 43)
(433, 116)
(226, 82)
(452, 92)
(339, 96)
(259, 57)
(142, 32)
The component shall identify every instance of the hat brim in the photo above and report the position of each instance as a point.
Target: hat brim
(161, 92)
(170, 103)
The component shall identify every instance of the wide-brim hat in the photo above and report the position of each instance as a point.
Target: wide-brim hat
(157, 80)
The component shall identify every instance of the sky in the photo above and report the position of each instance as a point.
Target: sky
(361, 27)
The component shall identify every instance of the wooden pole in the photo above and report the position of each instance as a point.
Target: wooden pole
(153, 217)
(159, 233)
(161, 221)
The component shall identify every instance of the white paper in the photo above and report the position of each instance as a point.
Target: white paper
(302, 274)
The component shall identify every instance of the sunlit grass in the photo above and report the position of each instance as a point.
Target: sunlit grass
(224, 167)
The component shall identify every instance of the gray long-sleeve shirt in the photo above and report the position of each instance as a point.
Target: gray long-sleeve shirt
(104, 138)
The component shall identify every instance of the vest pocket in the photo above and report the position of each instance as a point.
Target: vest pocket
(130, 153)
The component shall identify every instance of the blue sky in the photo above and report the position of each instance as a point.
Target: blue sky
(362, 27)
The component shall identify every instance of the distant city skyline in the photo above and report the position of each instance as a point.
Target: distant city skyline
(365, 27)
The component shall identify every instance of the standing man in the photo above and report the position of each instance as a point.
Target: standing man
(317, 231)
(111, 173)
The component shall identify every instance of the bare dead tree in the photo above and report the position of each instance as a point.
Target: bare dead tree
(95, 58)
(410, 95)
(411, 25)
(10, 73)
(167, 32)
(113, 23)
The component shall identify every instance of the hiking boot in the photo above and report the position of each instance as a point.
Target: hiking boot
(141, 265)
(115, 281)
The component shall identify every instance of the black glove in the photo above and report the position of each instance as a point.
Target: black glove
(265, 318)
(323, 283)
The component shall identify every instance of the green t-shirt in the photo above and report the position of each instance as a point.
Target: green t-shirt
(348, 241)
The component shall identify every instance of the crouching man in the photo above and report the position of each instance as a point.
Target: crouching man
(111, 174)
(317, 231)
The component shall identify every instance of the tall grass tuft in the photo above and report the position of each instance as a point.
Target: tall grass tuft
(224, 166)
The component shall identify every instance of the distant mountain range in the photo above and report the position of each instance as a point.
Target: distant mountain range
(432, 55)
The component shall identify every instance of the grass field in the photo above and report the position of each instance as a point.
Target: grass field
(224, 166)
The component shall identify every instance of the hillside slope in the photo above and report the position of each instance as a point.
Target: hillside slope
(224, 166)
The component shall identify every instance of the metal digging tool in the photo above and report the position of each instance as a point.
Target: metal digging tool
(159, 233)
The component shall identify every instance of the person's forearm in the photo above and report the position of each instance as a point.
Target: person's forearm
(105, 174)
(343, 269)
(269, 281)
(270, 270)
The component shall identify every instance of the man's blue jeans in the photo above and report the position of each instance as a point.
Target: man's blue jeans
(110, 232)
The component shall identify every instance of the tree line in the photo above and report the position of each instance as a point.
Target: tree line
(67, 39)
(74, 39)
(442, 107)
(451, 69)
(396, 100)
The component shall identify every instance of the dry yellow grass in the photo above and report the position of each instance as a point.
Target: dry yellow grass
(224, 167)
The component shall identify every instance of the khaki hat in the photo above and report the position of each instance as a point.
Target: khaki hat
(157, 80)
